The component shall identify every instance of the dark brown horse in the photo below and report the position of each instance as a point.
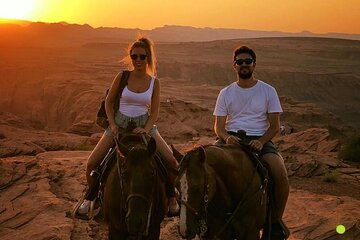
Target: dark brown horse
(222, 194)
(134, 195)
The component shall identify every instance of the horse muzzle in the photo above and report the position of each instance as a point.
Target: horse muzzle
(138, 215)
(136, 225)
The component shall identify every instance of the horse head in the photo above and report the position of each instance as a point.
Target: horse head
(138, 180)
(193, 183)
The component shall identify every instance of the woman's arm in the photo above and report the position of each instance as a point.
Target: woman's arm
(154, 107)
(110, 101)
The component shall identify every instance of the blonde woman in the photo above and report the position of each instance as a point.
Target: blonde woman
(139, 102)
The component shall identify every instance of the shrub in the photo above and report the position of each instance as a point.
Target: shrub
(331, 177)
(351, 150)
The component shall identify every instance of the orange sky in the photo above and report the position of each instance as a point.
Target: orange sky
(319, 16)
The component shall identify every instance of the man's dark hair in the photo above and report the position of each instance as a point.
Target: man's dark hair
(245, 49)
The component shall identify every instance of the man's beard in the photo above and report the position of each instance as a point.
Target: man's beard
(246, 74)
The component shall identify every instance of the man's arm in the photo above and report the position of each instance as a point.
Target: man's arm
(219, 127)
(274, 121)
(221, 132)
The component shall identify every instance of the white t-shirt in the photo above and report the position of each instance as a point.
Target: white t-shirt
(136, 104)
(246, 108)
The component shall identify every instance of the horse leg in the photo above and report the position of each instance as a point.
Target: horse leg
(97, 155)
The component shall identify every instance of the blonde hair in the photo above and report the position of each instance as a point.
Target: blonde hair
(148, 46)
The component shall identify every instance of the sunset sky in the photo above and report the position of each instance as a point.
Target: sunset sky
(319, 16)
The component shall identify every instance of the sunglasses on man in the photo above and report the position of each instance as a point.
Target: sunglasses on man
(135, 56)
(247, 61)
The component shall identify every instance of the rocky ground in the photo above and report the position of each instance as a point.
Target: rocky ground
(38, 188)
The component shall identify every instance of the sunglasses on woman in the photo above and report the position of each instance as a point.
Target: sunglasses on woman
(247, 61)
(135, 56)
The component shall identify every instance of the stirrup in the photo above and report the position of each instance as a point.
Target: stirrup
(75, 209)
(90, 215)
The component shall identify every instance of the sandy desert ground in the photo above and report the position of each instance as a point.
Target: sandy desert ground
(49, 98)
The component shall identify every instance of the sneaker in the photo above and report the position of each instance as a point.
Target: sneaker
(174, 208)
(84, 208)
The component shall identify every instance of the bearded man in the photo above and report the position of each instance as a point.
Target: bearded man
(252, 106)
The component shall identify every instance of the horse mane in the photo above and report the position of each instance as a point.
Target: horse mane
(196, 147)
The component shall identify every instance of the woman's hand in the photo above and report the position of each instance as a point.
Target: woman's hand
(139, 130)
(114, 129)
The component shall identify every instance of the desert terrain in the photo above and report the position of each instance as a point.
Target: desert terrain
(50, 95)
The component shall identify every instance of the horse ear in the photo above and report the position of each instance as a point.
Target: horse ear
(202, 154)
(178, 156)
(151, 147)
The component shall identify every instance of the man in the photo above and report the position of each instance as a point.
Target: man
(253, 106)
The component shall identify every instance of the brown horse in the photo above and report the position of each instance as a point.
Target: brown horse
(134, 195)
(222, 194)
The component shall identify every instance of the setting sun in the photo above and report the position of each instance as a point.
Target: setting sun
(271, 15)
(16, 8)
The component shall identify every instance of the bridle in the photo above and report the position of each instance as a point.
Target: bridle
(149, 202)
(201, 216)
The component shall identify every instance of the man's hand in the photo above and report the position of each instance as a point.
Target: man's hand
(231, 139)
(256, 145)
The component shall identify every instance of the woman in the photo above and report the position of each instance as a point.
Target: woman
(139, 102)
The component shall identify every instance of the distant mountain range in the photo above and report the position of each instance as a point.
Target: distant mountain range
(62, 34)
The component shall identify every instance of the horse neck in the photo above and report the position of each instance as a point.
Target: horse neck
(218, 193)
(229, 167)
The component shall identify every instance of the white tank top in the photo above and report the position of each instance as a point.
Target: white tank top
(136, 104)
